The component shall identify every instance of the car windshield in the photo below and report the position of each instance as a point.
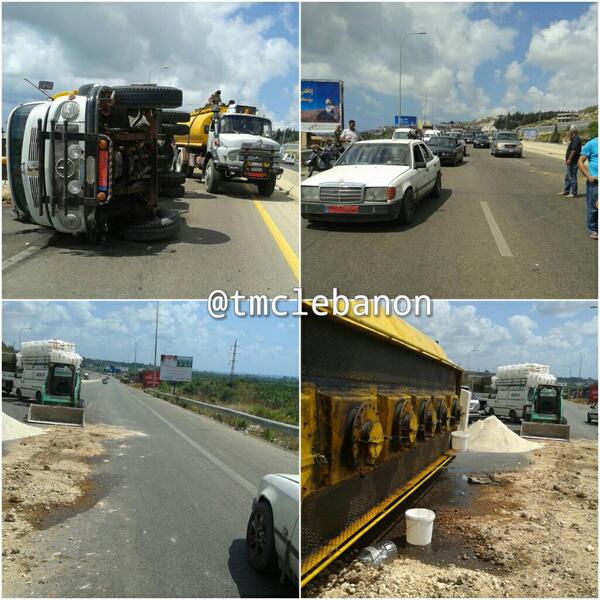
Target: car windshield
(507, 136)
(400, 135)
(246, 124)
(376, 154)
(443, 142)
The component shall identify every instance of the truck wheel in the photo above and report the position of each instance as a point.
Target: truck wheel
(407, 208)
(175, 116)
(212, 177)
(38, 397)
(589, 419)
(171, 179)
(162, 226)
(148, 96)
(491, 412)
(260, 538)
(266, 188)
(174, 129)
(172, 192)
(19, 394)
(437, 188)
(513, 416)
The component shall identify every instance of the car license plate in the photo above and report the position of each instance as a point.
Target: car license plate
(256, 174)
(350, 209)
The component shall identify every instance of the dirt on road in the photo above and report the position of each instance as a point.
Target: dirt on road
(529, 533)
(44, 475)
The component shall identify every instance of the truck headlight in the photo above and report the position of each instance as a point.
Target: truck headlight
(310, 192)
(69, 110)
(74, 187)
(233, 156)
(74, 151)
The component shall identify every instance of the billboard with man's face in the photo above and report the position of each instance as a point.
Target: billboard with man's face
(321, 105)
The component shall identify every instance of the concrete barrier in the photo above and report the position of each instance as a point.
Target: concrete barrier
(547, 149)
(291, 430)
(289, 183)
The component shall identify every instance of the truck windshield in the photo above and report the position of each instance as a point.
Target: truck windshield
(16, 133)
(246, 124)
(376, 154)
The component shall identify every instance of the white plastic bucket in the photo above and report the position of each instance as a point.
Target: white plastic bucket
(460, 441)
(419, 526)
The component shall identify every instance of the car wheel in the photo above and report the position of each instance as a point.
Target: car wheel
(407, 208)
(148, 96)
(212, 177)
(437, 188)
(513, 417)
(266, 188)
(164, 225)
(19, 394)
(260, 538)
(520, 155)
(171, 179)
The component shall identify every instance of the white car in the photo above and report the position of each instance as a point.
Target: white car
(376, 180)
(402, 133)
(429, 133)
(288, 159)
(272, 536)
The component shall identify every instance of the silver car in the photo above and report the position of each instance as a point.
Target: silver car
(506, 143)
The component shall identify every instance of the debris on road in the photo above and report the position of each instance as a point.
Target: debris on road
(12, 429)
(43, 474)
(535, 536)
(491, 435)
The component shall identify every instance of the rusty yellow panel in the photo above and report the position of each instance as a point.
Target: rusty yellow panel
(308, 400)
(443, 409)
(387, 403)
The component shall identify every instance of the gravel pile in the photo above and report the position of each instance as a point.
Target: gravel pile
(491, 435)
(16, 430)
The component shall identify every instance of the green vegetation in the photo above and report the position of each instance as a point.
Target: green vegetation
(270, 398)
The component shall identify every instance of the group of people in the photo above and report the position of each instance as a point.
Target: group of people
(583, 158)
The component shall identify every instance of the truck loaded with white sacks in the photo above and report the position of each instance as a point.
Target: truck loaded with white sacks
(96, 160)
(530, 394)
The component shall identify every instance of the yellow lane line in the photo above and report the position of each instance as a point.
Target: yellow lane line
(282, 243)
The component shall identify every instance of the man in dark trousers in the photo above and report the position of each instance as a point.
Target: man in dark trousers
(572, 157)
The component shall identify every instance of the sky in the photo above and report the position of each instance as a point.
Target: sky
(484, 335)
(266, 345)
(248, 51)
(477, 59)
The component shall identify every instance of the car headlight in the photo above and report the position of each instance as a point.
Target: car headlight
(310, 192)
(375, 194)
(69, 110)
(232, 155)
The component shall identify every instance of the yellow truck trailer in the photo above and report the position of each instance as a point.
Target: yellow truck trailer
(379, 402)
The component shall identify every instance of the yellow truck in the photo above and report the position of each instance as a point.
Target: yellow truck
(379, 402)
(229, 144)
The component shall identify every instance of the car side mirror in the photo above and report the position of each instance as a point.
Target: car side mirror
(420, 164)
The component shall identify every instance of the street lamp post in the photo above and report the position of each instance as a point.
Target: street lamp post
(400, 70)
(155, 69)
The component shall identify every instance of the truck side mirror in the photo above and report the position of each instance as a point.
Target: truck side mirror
(46, 85)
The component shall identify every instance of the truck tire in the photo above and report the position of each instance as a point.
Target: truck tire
(19, 394)
(148, 96)
(260, 539)
(407, 208)
(174, 129)
(172, 192)
(171, 179)
(38, 397)
(175, 116)
(491, 412)
(266, 188)
(165, 225)
(513, 417)
(212, 178)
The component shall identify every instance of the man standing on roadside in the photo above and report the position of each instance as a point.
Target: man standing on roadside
(572, 158)
(589, 154)
(350, 134)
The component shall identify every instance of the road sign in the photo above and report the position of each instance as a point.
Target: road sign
(530, 133)
(151, 379)
(405, 121)
(321, 105)
(175, 368)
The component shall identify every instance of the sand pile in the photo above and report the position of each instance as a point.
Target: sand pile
(491, 435)
(16, 430)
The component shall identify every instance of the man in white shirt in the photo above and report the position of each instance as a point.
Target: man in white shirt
(350, 134)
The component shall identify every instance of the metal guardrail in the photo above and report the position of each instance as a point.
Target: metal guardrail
(292, 430)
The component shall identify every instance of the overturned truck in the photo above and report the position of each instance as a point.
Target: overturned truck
(379, 402)
(96, 160)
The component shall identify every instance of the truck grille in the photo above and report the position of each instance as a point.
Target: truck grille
(257, 155)
(33, 160)
(351, 193)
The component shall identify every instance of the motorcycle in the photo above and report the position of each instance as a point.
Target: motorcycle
(323, 158)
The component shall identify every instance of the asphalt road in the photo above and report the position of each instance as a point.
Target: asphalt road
(232, 241)
(171, 508)
(454, 248)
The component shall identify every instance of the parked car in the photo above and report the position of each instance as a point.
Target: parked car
(506, 143)
(288, 159)
(105, 380)
(469, 137)
(448, 149)
(481, 140)
(272, 536)
(592, 414)
(373, 181)
(474, 407)
(86, 375)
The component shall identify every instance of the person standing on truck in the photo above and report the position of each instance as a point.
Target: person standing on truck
(589, 155)
(350, 134)
(231, 107)
(571, 159)
(215, 98)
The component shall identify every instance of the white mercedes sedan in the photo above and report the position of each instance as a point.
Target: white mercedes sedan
(376, 180)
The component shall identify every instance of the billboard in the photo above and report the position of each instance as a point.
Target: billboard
(151, 379)
(175, 368)
(529, 133)
(405, 121)
(321, 105)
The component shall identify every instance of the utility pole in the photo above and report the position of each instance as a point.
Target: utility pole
(232, 360)
(155, 343)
